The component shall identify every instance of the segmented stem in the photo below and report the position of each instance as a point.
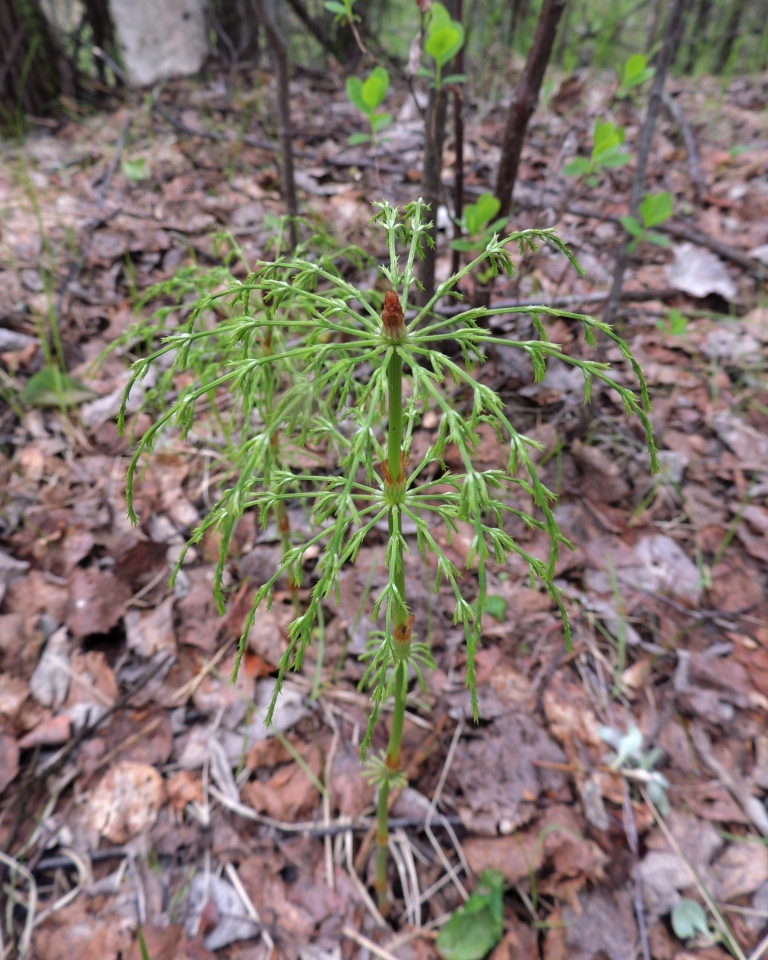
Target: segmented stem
(399, 625)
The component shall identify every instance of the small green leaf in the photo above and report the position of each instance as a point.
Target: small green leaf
(477, 215)
(677, 323)
(658, 238)
(374, 89)
(688, 919)
(455, 78)
(50, 387)
(357, 138)
(135, 170)
(656, 208)
(478, 926)
(439, 18)
(576, 167)
(606, 136)
(443, 44)
(615, 159)
(631, 226)
(636, 71)
(142, 944)
(355, 94)
(380, 121)
(496, 606)
(335, 7)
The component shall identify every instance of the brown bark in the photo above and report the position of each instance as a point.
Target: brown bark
(32, 74)
(458, 136)
(672, 33)
(278, 49)
(431, 185)
(525, 99)
(237, 30)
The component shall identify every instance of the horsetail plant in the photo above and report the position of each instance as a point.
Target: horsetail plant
(339, 381)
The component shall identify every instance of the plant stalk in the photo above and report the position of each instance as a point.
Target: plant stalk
(398, 624)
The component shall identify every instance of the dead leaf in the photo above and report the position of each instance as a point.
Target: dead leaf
(498, 777)
(13, 693)
(183, 787)
(234, 922)
(150, 631)
(34, 594)
(557, 834)
(126, 801)
(50, 733)
(604, 928)
(602, 479)
(49, 684)
(9, 760)
(96, 601)
(74, 932)
(698, 272)
(289, 793)
(741, 869)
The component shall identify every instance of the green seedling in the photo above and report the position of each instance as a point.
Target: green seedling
(607, 141)
(690, 921)
(655, 209)
(135, 170)
(674, 324)
(49, 387)
(636, 765)
(475, 929)
(367, 96)
(633, 74)
(445, 37)
(478, 223)
(354, 379)
(342, 10)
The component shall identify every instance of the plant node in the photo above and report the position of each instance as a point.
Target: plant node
(392, 317)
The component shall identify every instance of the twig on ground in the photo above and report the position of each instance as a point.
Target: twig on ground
(318, 828)
(362, 941)
(723, 927)
(698, 180)
(738, 789)
(253, 913)
(15, 867)
(760, 949)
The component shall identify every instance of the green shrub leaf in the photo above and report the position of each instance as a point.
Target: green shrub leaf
(478, 926)
(656, 208)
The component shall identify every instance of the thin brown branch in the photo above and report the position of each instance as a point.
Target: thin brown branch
(525, 100)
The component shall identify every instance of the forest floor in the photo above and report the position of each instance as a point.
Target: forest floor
(119, 732)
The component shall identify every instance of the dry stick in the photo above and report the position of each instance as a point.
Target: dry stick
(313, 26)
(524, 101)
(458, 136)
(569, 300)
(434, 137)
(279, 53)
(738, 789)
(671, 40)
(698, 179)
(717, 916)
